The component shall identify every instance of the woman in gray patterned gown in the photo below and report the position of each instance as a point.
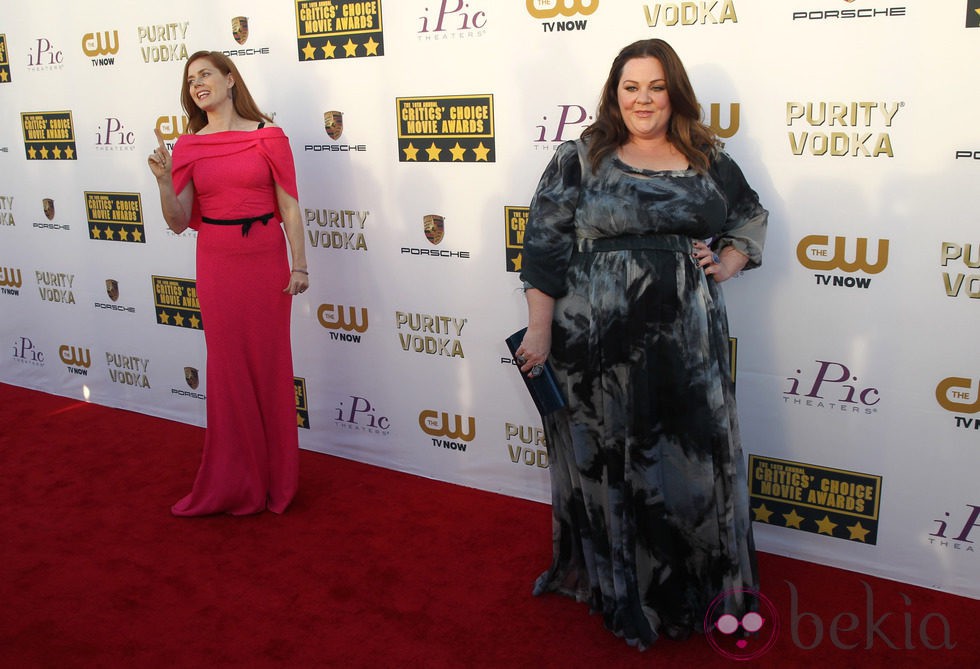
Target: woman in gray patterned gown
(649, 497)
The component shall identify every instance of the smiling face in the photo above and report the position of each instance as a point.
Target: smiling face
(643, 99)
(209, 87)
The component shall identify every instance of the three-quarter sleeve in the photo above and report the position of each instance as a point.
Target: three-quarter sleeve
(549, 236)
(745, 226)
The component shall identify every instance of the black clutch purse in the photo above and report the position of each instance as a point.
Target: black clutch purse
(543, 388)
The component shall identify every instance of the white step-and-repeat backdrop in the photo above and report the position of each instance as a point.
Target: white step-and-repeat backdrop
(420, 128)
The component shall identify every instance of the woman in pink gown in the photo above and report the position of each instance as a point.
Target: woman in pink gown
(232, 179)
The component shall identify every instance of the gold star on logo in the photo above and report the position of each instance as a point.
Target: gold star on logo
(308, 51)
(299, 420)
(518, 261)
(164, 317)
(793, 519)
(4, 75)
(858, 533)
(350, 48)
(44, 153)
(762, 513)
(69, 153)
(433, 151)
(481, 152)
(457, 152)
(96, 233)
(371, 47)
(825, 526)
(56, 153)
(328, 49)
(411, 153)
(123, 235)
(179, 320)
(195, 322)
(109, 234)
(137, 236)
(32, 153)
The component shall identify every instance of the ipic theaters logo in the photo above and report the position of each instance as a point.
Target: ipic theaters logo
(525, 445)
(811, 498)
(842, 129)
(961, 281)
(960, 395)
(55, 287)
(515, 222)
(358, 414)
(430, 334)
(689, 13)
(848, 13)
(337, 29)
(454, 19)
(175, 302)
(451, 432)
(77, 359)
(163, 42)
(128, 370)
(4, 60)
(26, 352)
(434, 229)
(302, 403)
(446, 129)
(112, 135)
(172, 127)
(566, 12)
(7, 211)
(43, 55)
(952, 534)
(345, 323)
(115, 217)
(848, 256)
(831, 388)
(11, 281)
(337, 229)
(48, 135)
(101, 47)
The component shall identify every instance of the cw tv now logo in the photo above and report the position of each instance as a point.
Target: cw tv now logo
(817, 252)
(457, 430)
(343, 321)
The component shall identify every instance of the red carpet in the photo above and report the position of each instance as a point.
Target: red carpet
(368, 568)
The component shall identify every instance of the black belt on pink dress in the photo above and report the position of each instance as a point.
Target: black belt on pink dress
(246, 223)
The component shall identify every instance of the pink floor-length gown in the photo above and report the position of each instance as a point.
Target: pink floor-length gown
(251, 451)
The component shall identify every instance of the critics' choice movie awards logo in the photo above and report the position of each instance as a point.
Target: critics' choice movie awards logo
(973, 14)
(115, 217)
(11, 281)
(112, 292)
(48, 135)
(4, 60)
(332, 29)
(961, 269)
(101, 47)
(811, 498)
(163, 42)
(953, 529)
(175, 302)
(345, 323)
(450, 432)
(832, 387)
(26, 352)
(849, 256)
(359, 414)
(434, 230)
(302, 404)
(55, 287)
(824, 14)
(561, 15)
(446, 129)
(961, 395)
(430, 334)
(128, 370)
(525, 445)
(515, 222)
(842, 129)
(670, 14)
(77, 359)
(454, 19)
(337, 230)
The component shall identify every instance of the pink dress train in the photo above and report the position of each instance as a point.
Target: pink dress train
(251, 449)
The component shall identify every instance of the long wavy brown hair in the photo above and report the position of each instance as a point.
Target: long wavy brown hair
(244, 104)
(686, 131)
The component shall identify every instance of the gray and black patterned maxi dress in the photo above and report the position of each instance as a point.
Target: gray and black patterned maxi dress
(649, 497)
